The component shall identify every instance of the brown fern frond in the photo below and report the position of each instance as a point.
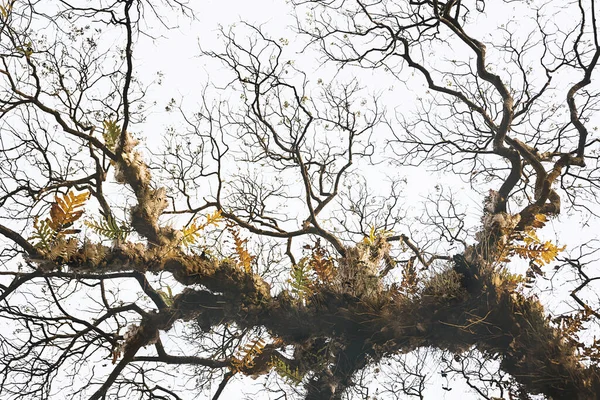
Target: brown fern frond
(62, 248)
(243, 257)
(244, 360)
(410, 278)
(322, 263)
(571, 325)
(65, 210)
(396, 292)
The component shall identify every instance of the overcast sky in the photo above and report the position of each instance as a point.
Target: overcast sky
(186, 74)
(175, 53)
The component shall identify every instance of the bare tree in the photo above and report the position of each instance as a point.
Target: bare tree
(253, 240)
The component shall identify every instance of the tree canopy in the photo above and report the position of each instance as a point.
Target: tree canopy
(268, 226)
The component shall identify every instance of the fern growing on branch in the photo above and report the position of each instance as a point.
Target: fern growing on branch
(111, 133)
(244, 360)
(64, 211)
(290, 375)
(191, 232)
(321, 262)
(301, 280)
(243, 257)
(109, 228)
(527, 245)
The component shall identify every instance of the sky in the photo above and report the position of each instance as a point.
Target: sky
(184, 79)
(186, 75)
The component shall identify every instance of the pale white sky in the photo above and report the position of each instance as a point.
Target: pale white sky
(186, 74)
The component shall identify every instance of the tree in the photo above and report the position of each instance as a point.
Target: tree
(254, 242)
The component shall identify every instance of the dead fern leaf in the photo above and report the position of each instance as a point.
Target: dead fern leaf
(322, 263)
(243, 257)
(63, 248)
(244, 360)
(410, 278)
(571, 325)
(65, 210)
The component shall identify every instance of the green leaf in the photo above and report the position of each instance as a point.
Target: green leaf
(64, 211)
(300, 279)
(292, 376)
(43, 234)
(111, 133)
(109, 228)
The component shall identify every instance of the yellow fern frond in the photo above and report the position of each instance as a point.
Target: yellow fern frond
(530, 237)
(532, 248)
(244, 258)
(543, 253)
(65, 210)
(374, 234)
(506, 279)
(550, 252)
(244, 360)
(539, 221)
(191, 233)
